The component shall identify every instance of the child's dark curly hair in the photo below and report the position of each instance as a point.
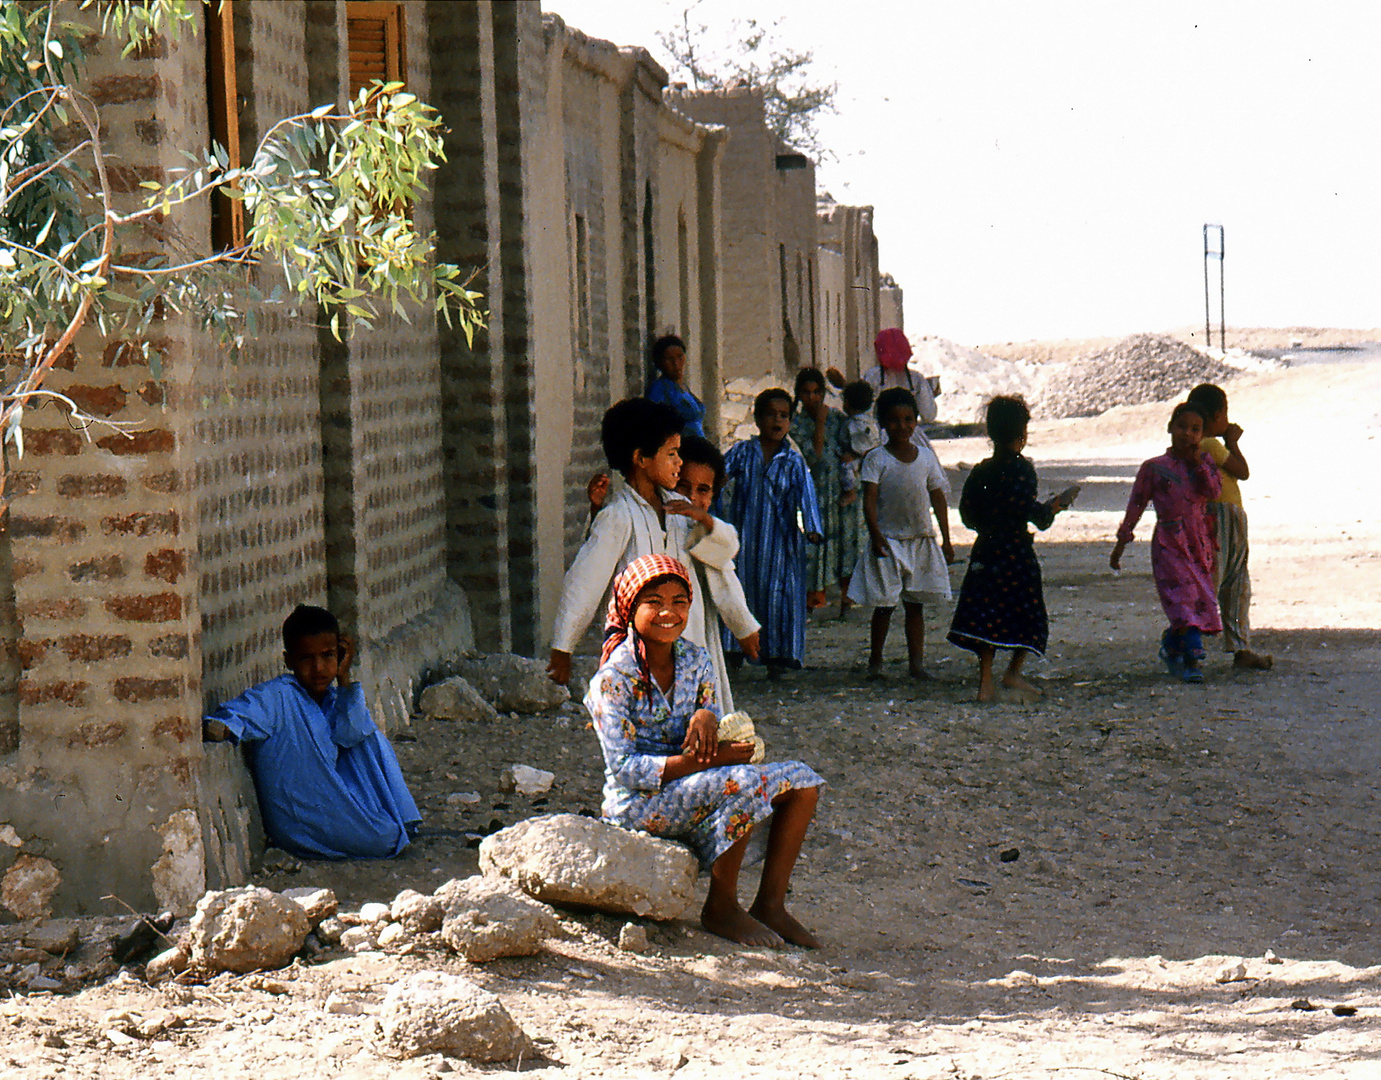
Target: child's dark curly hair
(636, 424)
(858, 397)
(1208, 399)
(1186, 407)
(1007, 418)
(775, 393)
(893, 396)
(698, 451)
(809, 377)
(662, 344)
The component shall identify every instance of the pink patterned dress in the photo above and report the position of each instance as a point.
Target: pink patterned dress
(1183, 547)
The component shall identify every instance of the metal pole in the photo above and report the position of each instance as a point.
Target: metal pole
(1208, 325)
(1222, 291)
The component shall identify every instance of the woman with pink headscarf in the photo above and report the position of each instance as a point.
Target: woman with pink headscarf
(893, 352)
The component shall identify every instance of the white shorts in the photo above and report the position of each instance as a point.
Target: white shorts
(913, 570)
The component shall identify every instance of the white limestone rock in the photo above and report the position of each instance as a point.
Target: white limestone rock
(514, 683)
(248, 929)
(487, 918)
(166, 964)
(28, 886)
(455, 699)
(392, 936)
(525, 780)
(359, 939)
(319, 904)
(417, 913)
(565, 858)
(374, 913)
(179, 875)
(431, 1012)
(633, 938)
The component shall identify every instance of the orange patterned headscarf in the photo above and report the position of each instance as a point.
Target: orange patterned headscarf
(632, 580)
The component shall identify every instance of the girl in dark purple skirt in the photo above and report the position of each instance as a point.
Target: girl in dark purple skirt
(1001, 605)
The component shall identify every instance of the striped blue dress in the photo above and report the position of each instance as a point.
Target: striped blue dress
(765, 503)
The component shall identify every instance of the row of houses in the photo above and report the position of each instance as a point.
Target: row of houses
(429, 491)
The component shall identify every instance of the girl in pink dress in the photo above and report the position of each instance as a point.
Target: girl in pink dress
(1181, 483)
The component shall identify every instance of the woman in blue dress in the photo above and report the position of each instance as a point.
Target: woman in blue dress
(665, 770)
(669, 387)
(768, 487)
(819, 432)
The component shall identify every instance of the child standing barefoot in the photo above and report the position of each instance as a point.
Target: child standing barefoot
(770, 486)
(1181, 483)
(1234, 582)
(902, 482)
(1001, 605)
(666, 773)
(859, 436)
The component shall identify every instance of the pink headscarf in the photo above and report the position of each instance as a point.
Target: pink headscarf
(627, 585)
(892, 348)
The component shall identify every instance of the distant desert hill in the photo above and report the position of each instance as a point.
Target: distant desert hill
(1059, 350)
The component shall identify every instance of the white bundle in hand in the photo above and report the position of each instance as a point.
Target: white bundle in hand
(738, 727)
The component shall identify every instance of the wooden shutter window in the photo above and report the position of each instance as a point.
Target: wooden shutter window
(223, 106)
(374, 31)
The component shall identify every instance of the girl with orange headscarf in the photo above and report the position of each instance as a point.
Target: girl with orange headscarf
(666, 772)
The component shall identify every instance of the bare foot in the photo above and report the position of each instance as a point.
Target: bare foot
(781, 921)
(737, 925)
(987, 694)
(1245, 658)
(875, 673)
(1016, 682)
(920, 674)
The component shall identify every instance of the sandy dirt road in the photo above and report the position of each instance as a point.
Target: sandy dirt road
(1163, 832)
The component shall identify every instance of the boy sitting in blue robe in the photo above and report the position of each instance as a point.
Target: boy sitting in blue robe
(329, 784)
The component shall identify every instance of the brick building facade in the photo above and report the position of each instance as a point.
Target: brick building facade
(429, 491)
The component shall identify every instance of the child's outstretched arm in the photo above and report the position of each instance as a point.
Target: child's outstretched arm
(1136, 505)
(584, 587)
(939, 502)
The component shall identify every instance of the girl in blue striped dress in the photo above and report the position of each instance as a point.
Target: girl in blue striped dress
(768, 486)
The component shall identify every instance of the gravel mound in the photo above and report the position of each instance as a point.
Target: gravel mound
(1137, 370)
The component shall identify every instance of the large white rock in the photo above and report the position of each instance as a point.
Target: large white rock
(247, 929)
(417, 913)
(565, 858)
(179, 875)
(319, 903)
(514, 683)
(490, 917)
(431, 1011)
(455, 699)
(28, 886)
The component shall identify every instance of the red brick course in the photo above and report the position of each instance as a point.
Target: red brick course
(89, 648)
(152, 441)
(42, 442)
(161, 607)
(65, 693)
(141, 523)
(51, 609)
(166, 565)
(136, 689)
(170, 647)
(85, 487)
(59, 530)
(98, 400)
(104, 568)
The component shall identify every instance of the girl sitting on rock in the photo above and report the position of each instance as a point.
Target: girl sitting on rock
(665, 770)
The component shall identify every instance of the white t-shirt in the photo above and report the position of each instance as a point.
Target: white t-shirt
(904, 491)
(880, 379)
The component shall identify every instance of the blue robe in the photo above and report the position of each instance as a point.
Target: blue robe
(329, 784)
(667, 392)
(765, 500)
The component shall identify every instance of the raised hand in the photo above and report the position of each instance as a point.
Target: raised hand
(345, 654)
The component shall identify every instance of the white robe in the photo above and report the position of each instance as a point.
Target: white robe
(626, 529)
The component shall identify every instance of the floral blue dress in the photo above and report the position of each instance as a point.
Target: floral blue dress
(639, 727)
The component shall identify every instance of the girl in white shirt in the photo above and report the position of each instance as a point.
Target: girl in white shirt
(902, 483)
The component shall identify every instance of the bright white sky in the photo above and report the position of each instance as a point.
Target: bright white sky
(1044, 169)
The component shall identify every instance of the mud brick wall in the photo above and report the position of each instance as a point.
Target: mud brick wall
(100, 548)
(257, 475)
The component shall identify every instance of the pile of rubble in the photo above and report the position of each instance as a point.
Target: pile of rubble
(503, 911)
(1138, 370)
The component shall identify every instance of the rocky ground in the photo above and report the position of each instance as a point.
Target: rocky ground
(1048, 890)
